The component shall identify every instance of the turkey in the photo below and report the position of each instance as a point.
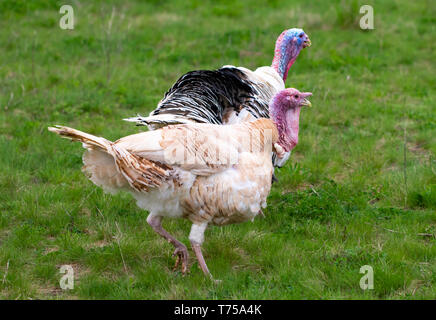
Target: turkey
(230, 94)
(207, 173)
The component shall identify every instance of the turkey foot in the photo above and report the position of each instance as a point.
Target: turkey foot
(182, 255)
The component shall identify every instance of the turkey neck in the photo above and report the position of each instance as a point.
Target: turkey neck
(285, 55)
(288, 124)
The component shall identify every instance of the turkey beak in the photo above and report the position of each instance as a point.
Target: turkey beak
(305, 102)
(307, 43)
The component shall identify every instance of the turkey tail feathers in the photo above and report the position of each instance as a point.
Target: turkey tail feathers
(87, 139)
(140, 173)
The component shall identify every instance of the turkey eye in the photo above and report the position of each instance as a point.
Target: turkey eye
(296, 96)
(301, 35)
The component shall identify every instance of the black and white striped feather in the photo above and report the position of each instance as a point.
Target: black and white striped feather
(207, 95)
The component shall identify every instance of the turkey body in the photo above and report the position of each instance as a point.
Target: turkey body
(200, 172)
(232, 196)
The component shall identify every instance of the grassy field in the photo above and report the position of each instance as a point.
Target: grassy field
(360, 188)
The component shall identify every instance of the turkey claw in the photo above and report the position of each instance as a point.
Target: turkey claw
(182, 256)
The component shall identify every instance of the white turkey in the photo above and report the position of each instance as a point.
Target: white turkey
(207, 173)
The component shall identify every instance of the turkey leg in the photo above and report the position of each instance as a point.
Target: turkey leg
(197, 237)
(181, 251)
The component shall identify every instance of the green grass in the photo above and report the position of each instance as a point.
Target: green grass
(360, 188)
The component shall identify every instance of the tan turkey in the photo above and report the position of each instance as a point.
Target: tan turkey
(207, 173)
